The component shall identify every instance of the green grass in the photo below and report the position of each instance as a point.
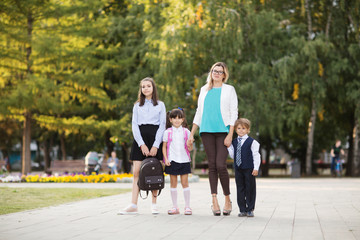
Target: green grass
(21, 199)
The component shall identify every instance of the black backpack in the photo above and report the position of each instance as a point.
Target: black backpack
(151, 176)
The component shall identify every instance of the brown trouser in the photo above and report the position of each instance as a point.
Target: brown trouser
(217, 153)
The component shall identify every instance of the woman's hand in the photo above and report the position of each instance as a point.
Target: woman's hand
(227, 140)
(255, 172)
(153, 151)
(190, 142)
(145, 150)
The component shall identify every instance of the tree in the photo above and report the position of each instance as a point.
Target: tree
(53, 75)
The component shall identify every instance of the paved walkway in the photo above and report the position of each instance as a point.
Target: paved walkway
(286, 209)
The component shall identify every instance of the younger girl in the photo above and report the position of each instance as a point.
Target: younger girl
(177, 157)
(148, 125)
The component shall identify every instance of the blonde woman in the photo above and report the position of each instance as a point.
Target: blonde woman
(216, 114)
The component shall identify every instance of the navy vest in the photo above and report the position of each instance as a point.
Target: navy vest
(247, 161)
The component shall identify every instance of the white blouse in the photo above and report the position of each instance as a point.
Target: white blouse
(177, 151)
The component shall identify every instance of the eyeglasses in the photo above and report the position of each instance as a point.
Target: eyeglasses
(218, 72)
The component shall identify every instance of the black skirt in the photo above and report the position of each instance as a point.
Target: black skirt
(178, 168)
(148, 134)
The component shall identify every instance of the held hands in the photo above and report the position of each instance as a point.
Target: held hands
(190, 148)
(190, 142)
(227, 140)
(255, 172)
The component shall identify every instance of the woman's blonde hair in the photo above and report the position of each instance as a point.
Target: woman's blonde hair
(210, 80)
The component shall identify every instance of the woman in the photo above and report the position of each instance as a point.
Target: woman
(216, 114)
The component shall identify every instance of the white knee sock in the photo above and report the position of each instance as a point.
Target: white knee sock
(173, 192)
(187, 196)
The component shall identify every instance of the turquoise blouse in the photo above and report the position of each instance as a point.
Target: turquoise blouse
(212, 121)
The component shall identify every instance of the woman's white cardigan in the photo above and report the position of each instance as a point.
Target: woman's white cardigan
(228, 105)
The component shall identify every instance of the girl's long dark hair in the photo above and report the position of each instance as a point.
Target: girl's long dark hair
(141, 96)
(176, 112)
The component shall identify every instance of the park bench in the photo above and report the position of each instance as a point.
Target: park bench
(205, 165)
(278, 166)
(72, 166)
(323, 166)
(67, 166)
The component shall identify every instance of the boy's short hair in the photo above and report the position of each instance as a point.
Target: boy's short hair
(243, 122)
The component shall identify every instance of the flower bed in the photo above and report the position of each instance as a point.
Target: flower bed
(71, 178)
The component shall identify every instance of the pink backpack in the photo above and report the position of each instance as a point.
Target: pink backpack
(170, 132)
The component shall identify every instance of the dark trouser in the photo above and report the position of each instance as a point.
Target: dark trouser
(217, 153)
(246, 189)
(333, 163)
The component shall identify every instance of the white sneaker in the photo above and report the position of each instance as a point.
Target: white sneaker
(130, 210)
(154, 209)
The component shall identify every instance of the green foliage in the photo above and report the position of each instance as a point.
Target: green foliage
(87, 58)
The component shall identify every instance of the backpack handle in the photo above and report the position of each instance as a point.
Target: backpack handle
(147, 194)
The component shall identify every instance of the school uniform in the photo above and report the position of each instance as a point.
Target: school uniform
(178, 155)
(148, 126)
(246, 159)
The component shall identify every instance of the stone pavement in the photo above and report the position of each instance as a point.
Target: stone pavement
(309, 208)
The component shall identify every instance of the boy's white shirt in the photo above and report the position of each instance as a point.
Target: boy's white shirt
(177, 150)
(228, 105)
(255, 146)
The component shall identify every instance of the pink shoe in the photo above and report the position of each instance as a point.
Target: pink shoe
(174, 211)
(188, 211)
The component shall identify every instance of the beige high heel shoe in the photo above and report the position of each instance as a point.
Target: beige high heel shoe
(215, 212)
(226, 212)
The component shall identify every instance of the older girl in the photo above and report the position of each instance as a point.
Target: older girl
(148, 126)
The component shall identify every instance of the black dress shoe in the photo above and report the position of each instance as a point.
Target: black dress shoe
(242, 214)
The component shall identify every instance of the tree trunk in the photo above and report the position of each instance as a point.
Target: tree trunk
(265, 167)
(328, 23)
(109, 144)
(127, 166)
(311, 129)
(349, 163)
(26, 154)
(26, 140)
(63, 147)
(47, 159)
(309, 21)
(30, 21)
(356, 155)
(310, 140)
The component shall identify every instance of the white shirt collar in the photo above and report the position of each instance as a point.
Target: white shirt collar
(176, 129)
(244, 137)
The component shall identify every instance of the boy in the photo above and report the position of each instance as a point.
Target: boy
(245, 152)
